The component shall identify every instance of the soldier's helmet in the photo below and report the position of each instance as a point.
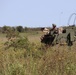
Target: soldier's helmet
(54, 25)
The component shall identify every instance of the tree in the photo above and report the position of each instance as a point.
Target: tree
(5, 29)
(19, 28)
(26, 29)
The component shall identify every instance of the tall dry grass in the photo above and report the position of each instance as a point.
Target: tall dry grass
(38, 60)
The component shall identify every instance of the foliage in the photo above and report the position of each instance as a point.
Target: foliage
(11, 34)
(15, 41)
(19, 28)
(54, 61)
(18, 43)
(26, 29)
(25, 58)
(5, 28)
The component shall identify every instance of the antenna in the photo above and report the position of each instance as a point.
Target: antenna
(71, 17)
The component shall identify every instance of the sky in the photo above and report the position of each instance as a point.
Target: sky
(36, 13)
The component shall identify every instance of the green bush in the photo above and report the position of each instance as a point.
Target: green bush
(14, 40)
(18, 43)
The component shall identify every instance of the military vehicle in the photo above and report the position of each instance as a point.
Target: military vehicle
(68, 36)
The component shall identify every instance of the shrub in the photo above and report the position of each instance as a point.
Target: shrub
(15, 41)
(18, 43)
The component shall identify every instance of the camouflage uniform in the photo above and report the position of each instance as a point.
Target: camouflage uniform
(54, 33)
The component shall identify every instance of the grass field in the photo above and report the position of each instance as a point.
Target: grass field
(37, 59)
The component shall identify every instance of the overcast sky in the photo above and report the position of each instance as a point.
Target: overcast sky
(36, 13)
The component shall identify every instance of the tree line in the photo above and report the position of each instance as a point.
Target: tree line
(5, 28)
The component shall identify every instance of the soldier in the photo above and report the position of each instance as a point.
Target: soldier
(54, 27)
(54, 30)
